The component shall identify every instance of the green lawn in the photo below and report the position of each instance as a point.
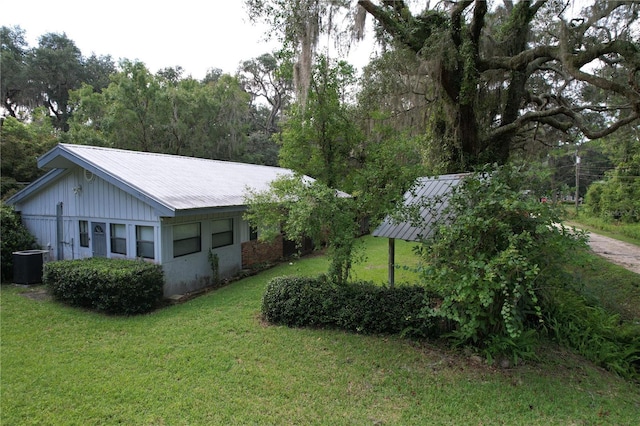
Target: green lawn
(212, 361)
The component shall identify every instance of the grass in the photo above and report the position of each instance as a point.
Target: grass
(614, 287)
(626, 232)
(213, 361)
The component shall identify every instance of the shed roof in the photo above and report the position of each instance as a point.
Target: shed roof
(170, 183)
(423, 190)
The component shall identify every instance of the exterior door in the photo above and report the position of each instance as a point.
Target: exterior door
(98, 239)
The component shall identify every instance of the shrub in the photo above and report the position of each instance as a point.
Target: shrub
(494, 251)
(298, 301)
(114, 286)
(14, 237)
(359, 307)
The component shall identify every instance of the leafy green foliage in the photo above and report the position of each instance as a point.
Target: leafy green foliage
(618, 197)
(163, 113)
(318, 136)
(57, 67)
(495, 251)
(21, 144)
(593, 332)
(360, 307)
(308, 209)
(14, 237)
(115, 286)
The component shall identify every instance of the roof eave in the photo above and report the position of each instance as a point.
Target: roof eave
(34, 187)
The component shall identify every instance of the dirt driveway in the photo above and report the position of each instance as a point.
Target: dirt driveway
(618, 252)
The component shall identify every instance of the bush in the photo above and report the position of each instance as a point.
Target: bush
(14, 237)
(114, 286)
(495, 249)
(359, 307)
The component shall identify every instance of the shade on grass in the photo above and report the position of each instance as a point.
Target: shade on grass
(213, 361)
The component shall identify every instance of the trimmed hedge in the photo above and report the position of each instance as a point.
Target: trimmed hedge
(360, 307)
(114, 286)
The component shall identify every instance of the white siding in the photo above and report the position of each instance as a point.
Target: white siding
(187, 273)
(98, 201)
(93, 200)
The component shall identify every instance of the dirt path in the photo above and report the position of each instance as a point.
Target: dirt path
(618, 252)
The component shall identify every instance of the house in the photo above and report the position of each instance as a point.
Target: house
(428, 196)
(167, 209)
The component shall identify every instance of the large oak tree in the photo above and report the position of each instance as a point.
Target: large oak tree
(506, 73)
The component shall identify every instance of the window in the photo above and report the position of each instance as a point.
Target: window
(186, 239)
(221, 233)
(144, 242)
(84, 233)
(118, 238)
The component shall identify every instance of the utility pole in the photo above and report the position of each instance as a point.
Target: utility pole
(577, 180)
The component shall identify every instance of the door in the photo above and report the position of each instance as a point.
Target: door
(98, 240)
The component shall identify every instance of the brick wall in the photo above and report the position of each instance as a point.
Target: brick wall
(256, 252)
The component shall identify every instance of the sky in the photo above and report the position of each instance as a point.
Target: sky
(195, 34)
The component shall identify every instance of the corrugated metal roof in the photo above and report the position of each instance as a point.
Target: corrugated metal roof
(170, 182)
(423, 190)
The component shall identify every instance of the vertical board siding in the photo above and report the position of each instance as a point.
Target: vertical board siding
(190, 272)
(95, 200)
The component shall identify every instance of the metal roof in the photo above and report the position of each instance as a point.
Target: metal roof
(170, 183)
(425, 189)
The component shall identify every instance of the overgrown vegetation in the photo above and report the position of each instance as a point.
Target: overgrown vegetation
(301, 209)
(599, 335)
(494, 277)
(114, 286)
(14, 237)
(495, 253)
(617, 198)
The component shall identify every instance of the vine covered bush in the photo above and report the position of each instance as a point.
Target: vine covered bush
(496, 250)
(360, 307)
(114, 286)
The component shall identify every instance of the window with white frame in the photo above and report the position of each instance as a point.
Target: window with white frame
(118, 238)
(144, 242)
(186, 239)
(84, 233)
(221, 233)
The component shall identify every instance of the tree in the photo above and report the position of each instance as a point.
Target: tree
(267, 78)
(232, 119)
(163, 113)
(617, 197)
(298, 25)
(56, 67)
(500, 83)
(14, 76)
(318, 137)
(21, 144)
(500, 74)
(308, 209)
(43, 76)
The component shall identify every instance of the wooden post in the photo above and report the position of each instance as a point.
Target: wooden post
(392, 260)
